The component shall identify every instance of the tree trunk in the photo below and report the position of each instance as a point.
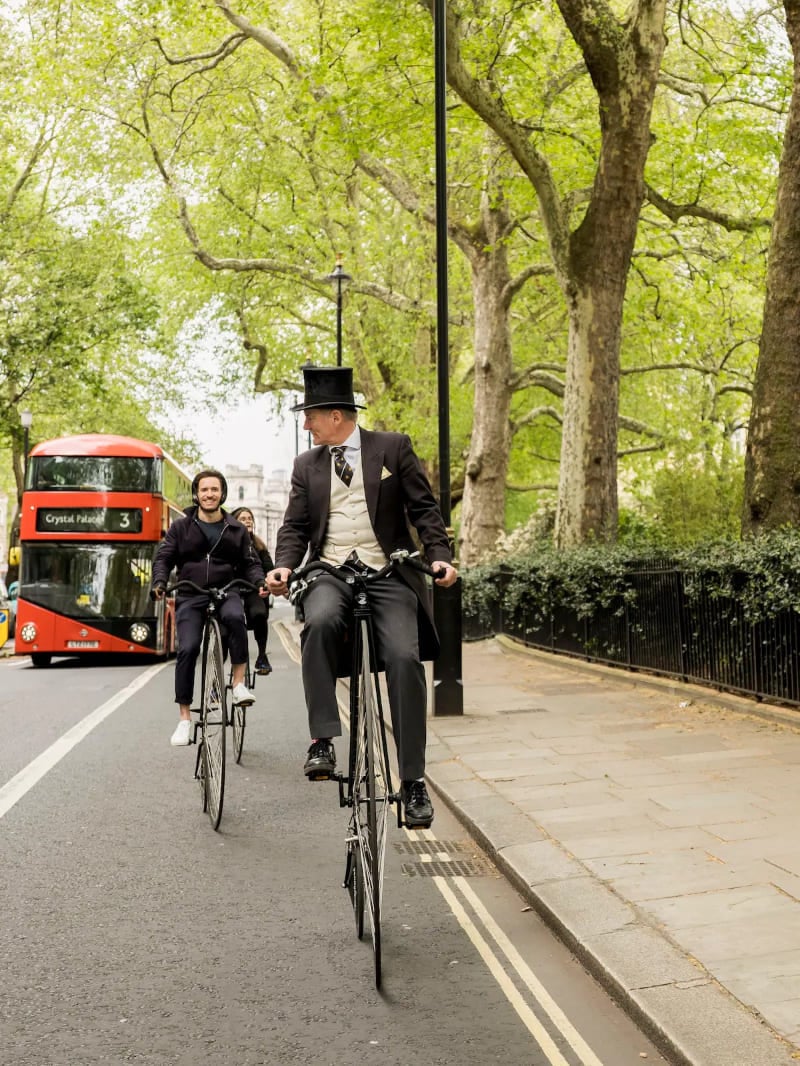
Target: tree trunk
(623, 57)
(587, 484)
(596, 274)
(483, 505)
(772, 460)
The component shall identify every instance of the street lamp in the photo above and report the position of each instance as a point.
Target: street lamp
(448, 693)
(26, 418)
(340, 281)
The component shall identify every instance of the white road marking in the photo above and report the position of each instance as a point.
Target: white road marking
(484, 922)
(13, 791)
(531, 1022)
(542, 996)
(487, 924)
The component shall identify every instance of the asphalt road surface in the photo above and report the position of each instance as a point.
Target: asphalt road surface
(133, 933)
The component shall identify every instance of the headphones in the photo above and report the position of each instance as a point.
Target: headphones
(209, 473)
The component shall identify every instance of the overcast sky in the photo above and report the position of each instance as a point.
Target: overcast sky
(242, 434)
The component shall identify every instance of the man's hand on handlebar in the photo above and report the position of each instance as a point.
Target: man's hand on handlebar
(277, 580)
(158, 591)
(444, 574)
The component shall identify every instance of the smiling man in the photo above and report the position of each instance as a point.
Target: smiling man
(210, 548)
(352, 500)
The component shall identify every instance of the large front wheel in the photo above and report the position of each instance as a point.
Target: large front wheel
(213, 722)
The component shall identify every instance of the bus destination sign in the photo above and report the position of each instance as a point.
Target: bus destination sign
(88, 520)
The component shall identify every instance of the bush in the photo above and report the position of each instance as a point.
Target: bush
(762, 575)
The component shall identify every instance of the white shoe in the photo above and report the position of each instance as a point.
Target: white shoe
(242, 696)
(182, 735)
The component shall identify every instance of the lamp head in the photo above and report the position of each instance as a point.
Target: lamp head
(338, 278)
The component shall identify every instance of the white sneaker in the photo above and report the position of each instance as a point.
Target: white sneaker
(182, 735)
(242, 696)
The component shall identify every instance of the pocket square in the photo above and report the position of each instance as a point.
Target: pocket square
(385, 473)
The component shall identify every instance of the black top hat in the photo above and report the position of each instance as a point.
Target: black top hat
(328, 386)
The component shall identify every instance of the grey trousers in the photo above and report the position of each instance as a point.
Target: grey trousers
(327, 608)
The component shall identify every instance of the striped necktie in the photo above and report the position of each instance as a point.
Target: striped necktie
(341, 465)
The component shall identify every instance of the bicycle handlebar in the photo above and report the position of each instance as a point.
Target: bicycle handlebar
(212, 593)
(297, 582)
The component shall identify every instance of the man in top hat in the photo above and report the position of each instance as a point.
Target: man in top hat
(351, 501)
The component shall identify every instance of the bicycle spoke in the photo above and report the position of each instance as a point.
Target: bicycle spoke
(213, 721)
(371, 803)
(354, 883)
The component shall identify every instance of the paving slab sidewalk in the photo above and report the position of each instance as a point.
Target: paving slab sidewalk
(653, 825)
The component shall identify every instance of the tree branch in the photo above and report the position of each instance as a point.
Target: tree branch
(535, 413)
(230, 44)
(674, 212)
(642, 448)
(536, 270)
(41, 142)
(543, 487)
(513, 135)
(539, 376)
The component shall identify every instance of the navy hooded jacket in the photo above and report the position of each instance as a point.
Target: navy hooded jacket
(185, 546)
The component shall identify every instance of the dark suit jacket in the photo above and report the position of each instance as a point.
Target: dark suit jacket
(403, 496)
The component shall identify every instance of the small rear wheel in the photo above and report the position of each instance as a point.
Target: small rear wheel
(239, 716)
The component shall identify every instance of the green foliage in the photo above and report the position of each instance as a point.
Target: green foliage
(104, 307)
(682, 505)
(761, 573)
(760, 576)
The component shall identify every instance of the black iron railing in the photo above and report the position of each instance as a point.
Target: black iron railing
(662, 624)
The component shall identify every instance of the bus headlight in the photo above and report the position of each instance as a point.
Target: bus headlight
(138, 632)
(28, 632)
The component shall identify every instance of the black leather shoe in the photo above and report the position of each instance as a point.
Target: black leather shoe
(320, 761)
(418, 809)
(263, 665)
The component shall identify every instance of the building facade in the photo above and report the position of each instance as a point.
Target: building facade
(266, 497)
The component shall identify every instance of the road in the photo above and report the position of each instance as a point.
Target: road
(132, 933)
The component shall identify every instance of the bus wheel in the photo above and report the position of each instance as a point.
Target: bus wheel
(41, 658)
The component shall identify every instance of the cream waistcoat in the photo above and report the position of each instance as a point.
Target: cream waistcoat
(349, 528)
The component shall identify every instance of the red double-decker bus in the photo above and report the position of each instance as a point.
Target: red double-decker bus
(94, 511)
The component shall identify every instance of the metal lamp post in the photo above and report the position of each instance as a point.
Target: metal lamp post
(340, 280)
(448, 693)
(26, 418)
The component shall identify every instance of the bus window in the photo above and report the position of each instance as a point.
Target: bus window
(73, 473)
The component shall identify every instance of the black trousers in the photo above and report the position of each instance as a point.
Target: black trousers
(327, 608)
(256, 609)
(189, 618)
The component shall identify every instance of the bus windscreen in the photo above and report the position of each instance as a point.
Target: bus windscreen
(94, 473)
(89, 581)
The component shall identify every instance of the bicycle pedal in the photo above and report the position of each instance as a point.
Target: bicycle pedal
(318, 777)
